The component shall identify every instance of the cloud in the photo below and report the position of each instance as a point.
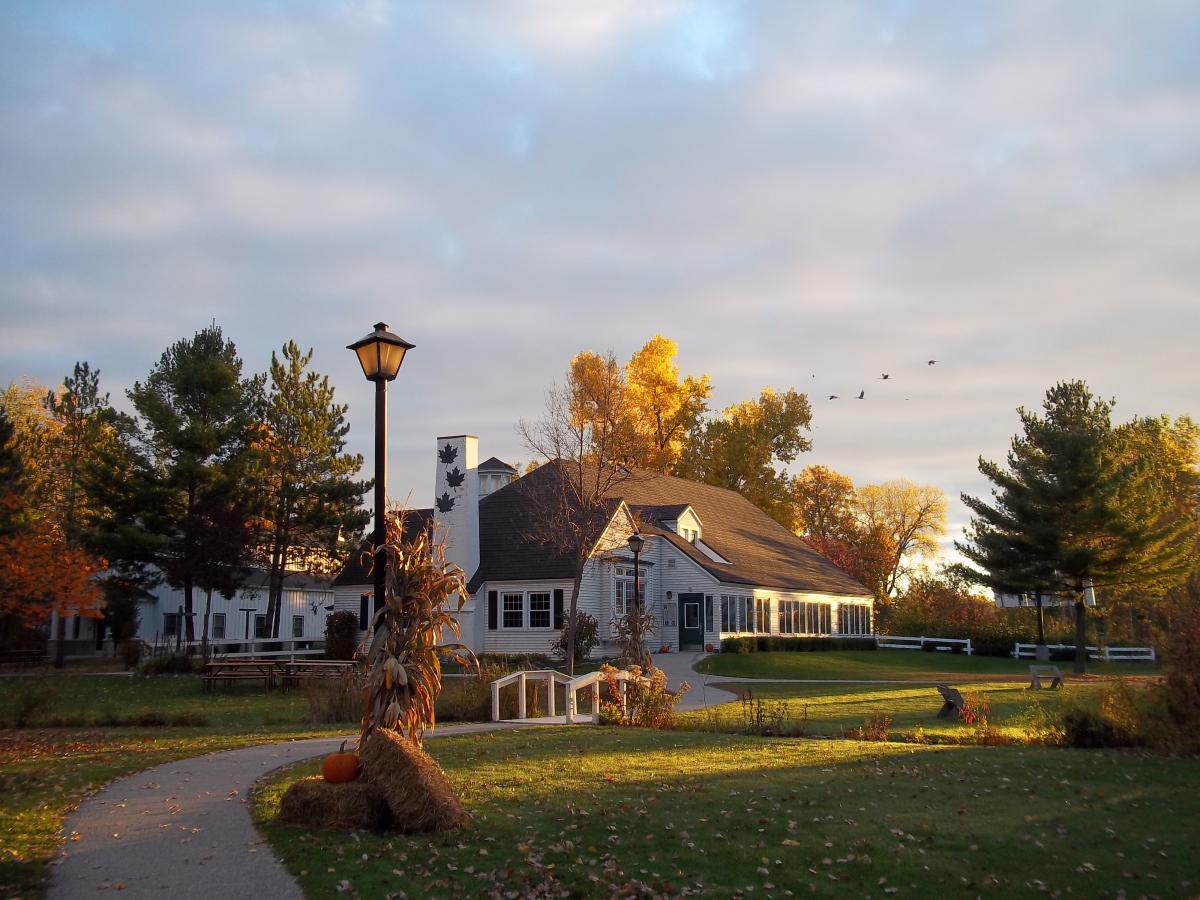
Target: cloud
(839, 191)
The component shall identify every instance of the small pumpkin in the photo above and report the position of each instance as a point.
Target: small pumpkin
(340, 767)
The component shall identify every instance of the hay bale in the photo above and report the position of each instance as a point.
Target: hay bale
(419, 795)
(316, 803)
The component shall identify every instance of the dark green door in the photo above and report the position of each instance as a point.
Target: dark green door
(691, 621)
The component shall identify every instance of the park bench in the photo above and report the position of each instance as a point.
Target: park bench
(1039, 672)
(297, 671)
(952, 701)
(229, 670)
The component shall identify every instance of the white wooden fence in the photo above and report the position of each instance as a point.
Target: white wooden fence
(553, 677)
(290, 648)
(1107, 654)
(899, 642)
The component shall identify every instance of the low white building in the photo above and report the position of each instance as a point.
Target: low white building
(713, 566)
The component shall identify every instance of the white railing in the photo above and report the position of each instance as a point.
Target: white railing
(244, 648)
(1107, 654)
(553, 677)
(899, 642)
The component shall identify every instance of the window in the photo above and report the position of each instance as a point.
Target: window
(670, 614)
(854, 619)
(725, 613)
(364, 601)
(623, 588)
(691, 615)
(671, 563)
(708, 612)
(747, 605)
(260, 626)
(815, 618)
(762, 615)
(539, 610)
(297, 626)
(514, 611)
(787, 616)
(170, 624)
(218, 626)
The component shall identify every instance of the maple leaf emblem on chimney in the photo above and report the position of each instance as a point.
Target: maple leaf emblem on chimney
(445, 503)
(454, 477)
(448, 454)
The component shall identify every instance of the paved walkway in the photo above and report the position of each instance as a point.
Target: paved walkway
(182, 830)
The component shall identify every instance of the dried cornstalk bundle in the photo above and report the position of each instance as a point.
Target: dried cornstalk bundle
(404, 673)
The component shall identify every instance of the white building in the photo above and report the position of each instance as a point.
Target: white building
(714, 565)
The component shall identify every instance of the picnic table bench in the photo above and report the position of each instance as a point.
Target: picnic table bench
(297, 671)
(230, 670)
(1038, 672)
(952, 701)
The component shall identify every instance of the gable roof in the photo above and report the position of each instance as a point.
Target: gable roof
(358, 567)
(760, 551)
(496, 465)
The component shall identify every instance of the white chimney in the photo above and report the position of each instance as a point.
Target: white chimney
(456, 499)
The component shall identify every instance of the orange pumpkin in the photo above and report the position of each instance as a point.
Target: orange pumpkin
(340, 767)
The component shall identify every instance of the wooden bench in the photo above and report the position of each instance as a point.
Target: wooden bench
(952, 701)
(1038, 672)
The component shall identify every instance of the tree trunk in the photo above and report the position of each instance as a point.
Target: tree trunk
(204, 630)
(187, 611)
(570, 629)
(60, 652)
(1080, 637)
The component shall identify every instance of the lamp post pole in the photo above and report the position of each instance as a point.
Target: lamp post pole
(380, 493)
(380, 354)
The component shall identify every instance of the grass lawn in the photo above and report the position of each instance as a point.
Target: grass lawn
(831, 709)
(900, 665)
(602, 811)
(44, 772)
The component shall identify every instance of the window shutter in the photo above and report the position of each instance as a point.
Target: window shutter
(363, 600)
(491, 610)
(558, 609)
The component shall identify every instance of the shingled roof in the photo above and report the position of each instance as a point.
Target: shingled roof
(358, 567)
(760, 551)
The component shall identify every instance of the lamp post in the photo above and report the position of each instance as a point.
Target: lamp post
(636, 542)
(380, 354)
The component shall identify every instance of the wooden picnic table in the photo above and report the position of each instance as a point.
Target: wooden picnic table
(230, 670)
(295, 671)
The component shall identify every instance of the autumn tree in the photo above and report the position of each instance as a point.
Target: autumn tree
(912, 516)
(746, 447)
(824, 502)
(583, 448)
(40, 574)
(195, 412)
(1078, 504)
(307, 494)
(35, 437)
(662, 408)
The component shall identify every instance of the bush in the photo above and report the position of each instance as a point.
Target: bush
(764, 643)
(341, 635)
(648, 703)
(33, 699)
(132, 652)
(587, 637)
(170, 664)
(875, 727)
(332, 700)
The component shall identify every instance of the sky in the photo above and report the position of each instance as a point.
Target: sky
(800, 195)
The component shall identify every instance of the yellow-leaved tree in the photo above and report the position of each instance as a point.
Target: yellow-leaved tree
(662, 408)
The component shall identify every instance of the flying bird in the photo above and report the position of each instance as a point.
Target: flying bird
(833, 397)
(862, 394)
(884, 377)
(931, 362)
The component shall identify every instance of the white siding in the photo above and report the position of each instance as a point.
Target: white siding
(310, 604)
